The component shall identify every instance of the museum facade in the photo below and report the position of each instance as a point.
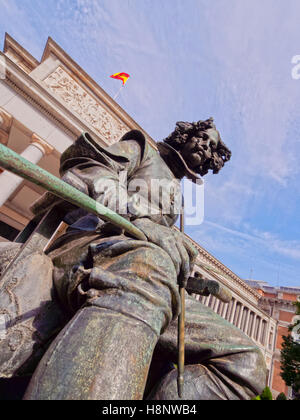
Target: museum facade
(44, 106)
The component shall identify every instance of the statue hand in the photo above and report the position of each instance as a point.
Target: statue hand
(177, 246)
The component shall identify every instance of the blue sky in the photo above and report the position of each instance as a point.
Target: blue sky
(189, 60)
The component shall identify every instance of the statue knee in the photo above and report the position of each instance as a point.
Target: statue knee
(199, 384)
(91, 354)
(142, 284)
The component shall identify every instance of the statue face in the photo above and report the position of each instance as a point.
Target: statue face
(198, 151)
(200, 147)
(213, 136)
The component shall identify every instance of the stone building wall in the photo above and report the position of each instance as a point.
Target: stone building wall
(278, 302)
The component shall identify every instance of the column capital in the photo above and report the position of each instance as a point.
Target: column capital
(45, 147)
(6, 120)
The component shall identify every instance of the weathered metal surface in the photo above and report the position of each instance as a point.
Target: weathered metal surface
(107, 357)
(181, 319)
(181, 347)
(22, 167)
(123, 293)
(32, 315)
(221, 362)
(8, 251)
(26, 300)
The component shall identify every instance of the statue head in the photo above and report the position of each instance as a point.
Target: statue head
(199, 147)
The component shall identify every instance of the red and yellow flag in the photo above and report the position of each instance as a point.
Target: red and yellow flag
(121, 76)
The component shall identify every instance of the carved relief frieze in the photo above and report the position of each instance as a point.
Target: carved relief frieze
(90, 110)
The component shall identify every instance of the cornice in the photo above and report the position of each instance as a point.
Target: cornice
(49, 105)
(40, 98)
(24, 55)
(225, 270)
(273, 301)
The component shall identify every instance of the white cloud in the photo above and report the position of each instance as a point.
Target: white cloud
(260, 255)
(267, 240)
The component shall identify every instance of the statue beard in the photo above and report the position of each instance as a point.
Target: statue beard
(203, 161)
(201, 157)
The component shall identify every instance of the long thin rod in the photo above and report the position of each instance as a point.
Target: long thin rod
(28, 170)
(117, 94)
(181, 319)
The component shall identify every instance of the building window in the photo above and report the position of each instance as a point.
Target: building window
(270, 345)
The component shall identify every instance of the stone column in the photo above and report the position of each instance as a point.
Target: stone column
(247, 321)
(228, 312)
(252, 335)
(212, 302)
(225, 306)
(9, 182)
(239, 322)
(220, 308)
(259, 330)
(233, 311)
(216, 303)
(206, 300)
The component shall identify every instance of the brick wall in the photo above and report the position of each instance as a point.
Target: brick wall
(286, 316)
(278, 383)
(289, 296)
(280, 332)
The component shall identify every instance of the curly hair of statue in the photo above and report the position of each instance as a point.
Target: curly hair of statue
(188, 138)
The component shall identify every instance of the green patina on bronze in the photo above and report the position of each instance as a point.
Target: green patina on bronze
(119, 294)
(28, 170)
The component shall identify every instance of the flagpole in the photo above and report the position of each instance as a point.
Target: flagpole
(117, 94)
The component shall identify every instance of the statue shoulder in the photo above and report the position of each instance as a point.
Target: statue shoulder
(132, 147)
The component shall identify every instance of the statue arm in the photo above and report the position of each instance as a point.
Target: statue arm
(91, 173)
(105, 178)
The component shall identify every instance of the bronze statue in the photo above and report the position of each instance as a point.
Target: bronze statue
(120, 295)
